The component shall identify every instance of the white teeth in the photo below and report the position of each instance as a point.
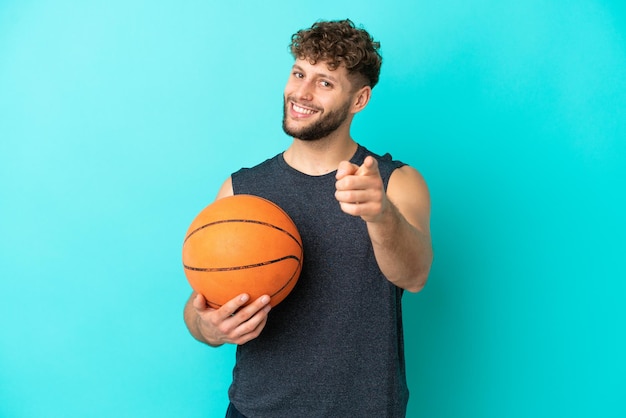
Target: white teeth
(302, 110)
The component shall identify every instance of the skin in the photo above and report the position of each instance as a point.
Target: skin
(398, 220)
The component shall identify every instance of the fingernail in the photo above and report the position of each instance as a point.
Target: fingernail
(244, 298)
(265, 299)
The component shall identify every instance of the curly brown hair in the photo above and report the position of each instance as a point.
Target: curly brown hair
(339, 42)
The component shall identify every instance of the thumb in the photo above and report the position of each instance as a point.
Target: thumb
(199, 302)
(346, 168)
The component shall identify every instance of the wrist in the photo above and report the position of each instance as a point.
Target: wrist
(202, 336)
(386, 215)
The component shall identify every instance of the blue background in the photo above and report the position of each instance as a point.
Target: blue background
(119, 120)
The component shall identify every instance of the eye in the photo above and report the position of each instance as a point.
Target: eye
(298, 74)
(326, 84)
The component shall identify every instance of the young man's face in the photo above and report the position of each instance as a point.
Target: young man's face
(317, 101)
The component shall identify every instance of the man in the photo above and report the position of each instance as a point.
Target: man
(334, 346)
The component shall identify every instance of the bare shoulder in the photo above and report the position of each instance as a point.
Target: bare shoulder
(408, 191)
(226, 189)
(407, 182)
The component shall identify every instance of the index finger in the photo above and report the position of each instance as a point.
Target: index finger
(238, 305)
(369, 167)
(229, 308)
(345, 168)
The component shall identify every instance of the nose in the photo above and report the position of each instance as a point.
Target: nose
(305, 91)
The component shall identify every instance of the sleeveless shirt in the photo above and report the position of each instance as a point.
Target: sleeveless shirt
(334, 347)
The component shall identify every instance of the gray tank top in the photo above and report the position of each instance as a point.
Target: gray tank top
(334, 347)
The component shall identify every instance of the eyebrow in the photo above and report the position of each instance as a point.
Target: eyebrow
(323, 75)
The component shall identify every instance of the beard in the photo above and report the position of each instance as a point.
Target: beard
(324, 126)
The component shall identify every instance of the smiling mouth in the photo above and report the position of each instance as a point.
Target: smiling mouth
(303, 110)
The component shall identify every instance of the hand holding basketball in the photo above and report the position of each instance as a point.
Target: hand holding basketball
(233, 323)
(359, 189)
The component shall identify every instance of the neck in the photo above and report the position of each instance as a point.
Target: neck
(319, 157)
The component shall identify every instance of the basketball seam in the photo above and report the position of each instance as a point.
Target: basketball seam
(248, 266)
(276, 292)
(245, 221)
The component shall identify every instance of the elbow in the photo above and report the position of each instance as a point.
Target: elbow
(418, 281)
(414, 289)
(417, 284)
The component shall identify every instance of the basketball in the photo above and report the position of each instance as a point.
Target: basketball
(242, 244)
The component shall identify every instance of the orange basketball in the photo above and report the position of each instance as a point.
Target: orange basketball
(242, 244)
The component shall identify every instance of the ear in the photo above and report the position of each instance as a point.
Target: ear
(361, 99)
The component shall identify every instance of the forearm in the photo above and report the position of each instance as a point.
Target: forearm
(403, 252)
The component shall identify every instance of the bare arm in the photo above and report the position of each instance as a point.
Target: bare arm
(232, 323)
(398, 221)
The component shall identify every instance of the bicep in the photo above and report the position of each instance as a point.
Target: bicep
(408, 191)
